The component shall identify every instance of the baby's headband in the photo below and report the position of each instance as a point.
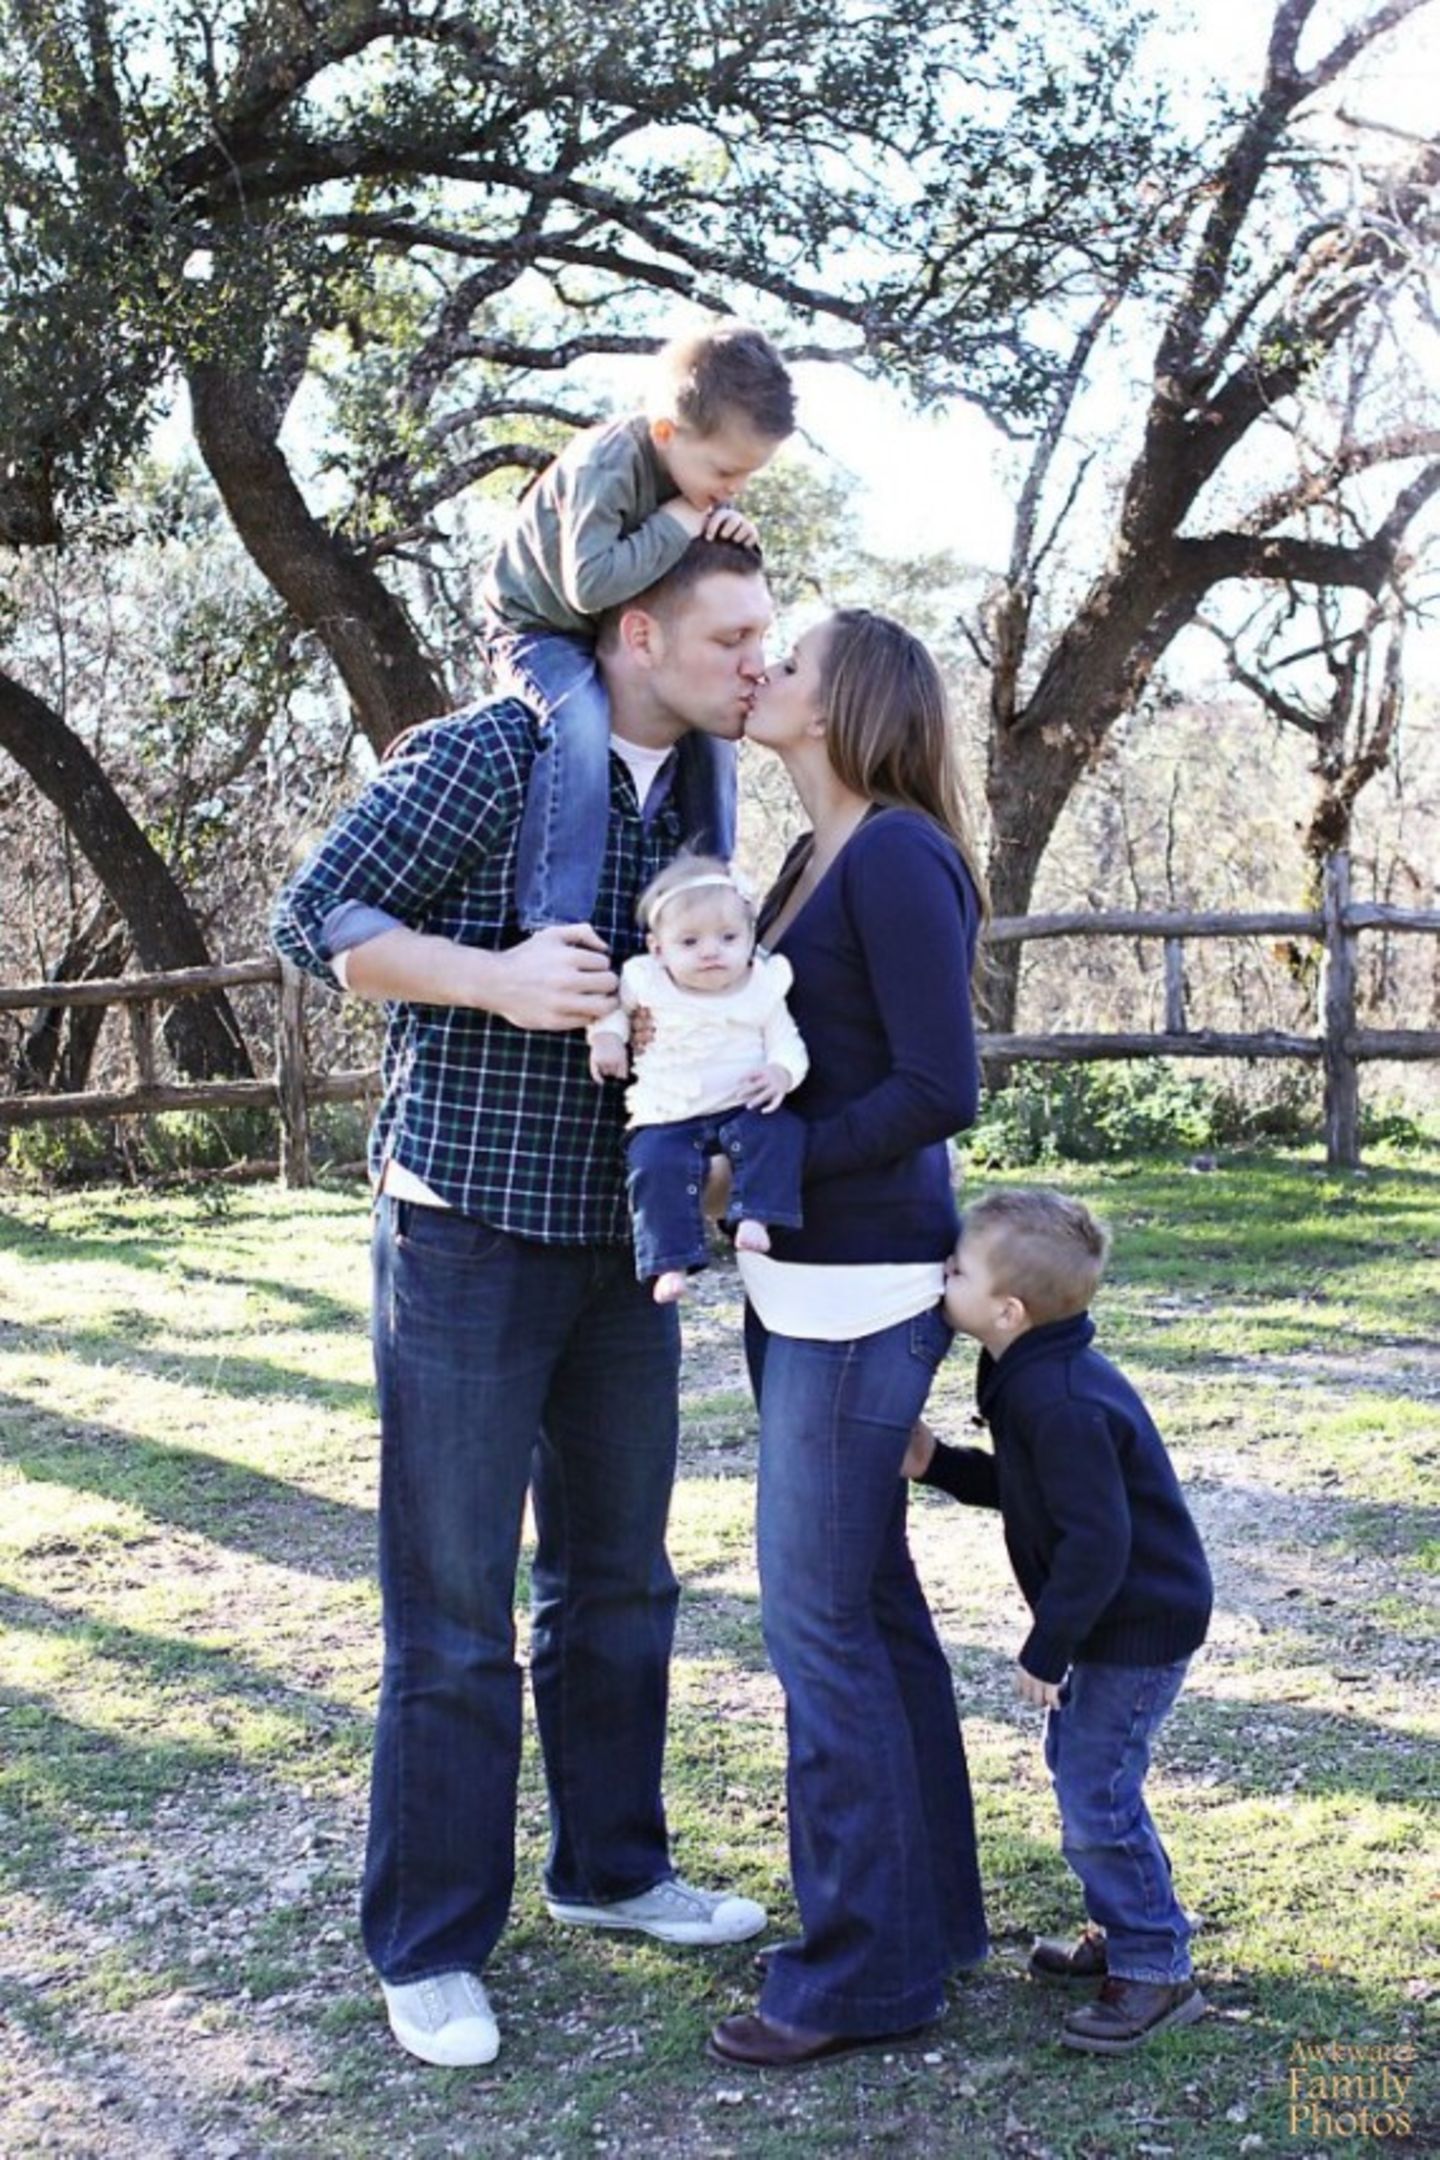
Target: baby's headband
(710, 877)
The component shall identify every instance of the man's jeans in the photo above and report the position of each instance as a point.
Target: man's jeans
(503, 1362)
(566, 819)
(882, 1833)
(667, 1170)
(1097, 1747)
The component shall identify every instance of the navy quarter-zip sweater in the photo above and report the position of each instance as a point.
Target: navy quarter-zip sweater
(1099, 1536)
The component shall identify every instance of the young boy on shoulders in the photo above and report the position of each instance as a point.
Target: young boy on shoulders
(614, 512)
(1111, 1565)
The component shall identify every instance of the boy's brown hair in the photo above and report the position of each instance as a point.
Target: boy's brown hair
(727, 371)
(1045, 1249)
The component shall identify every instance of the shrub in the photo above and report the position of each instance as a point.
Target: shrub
(1088, 1113)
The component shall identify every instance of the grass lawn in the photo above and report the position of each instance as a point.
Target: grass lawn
(187, 1464)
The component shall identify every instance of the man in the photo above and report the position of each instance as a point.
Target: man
(514, 1347)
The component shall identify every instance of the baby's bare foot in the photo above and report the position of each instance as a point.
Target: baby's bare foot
(751, 1237)
(669, 1286)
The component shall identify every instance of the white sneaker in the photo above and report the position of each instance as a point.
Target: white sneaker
(674, 1912)
(446, 2020)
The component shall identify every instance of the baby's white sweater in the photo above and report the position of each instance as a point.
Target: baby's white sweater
(705, 1042)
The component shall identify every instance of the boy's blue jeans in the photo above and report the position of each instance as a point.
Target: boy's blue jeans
(567, 806)
(882, 1832)
(667, 1170)
(505, 1365)
(1097, 1749)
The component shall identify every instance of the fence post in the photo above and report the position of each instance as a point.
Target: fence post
(141, 1021)
(1174, 986)
(290, 1079)
(1342, 1073)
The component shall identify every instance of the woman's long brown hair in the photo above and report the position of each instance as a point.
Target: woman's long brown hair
(887, 726)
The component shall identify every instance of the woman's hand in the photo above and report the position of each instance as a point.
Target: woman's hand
(642, 1030)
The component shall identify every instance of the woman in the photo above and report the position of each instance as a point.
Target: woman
(877, 910)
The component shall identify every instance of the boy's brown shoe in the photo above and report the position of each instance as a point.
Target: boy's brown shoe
(1082, 1960)
(1126, 2012)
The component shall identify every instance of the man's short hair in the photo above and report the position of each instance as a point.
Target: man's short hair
(668, 594)
(727, 371)
(1041, 1247)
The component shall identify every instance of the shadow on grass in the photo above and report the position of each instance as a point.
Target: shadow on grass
(214, 1674)
(215, 1370)
(1349, 1536)
(232, 1505)
(1253, 1747)
(59, 1774)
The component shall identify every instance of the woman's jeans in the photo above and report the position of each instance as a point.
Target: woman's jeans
(505, 1365)
(566, 819)
(882, 1832)
(1097, 1749)
(667, 1166)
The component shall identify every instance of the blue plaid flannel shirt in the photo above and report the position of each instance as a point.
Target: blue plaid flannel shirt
(501, 1122)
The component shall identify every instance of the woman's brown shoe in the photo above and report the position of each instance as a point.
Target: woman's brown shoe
(757, 2042)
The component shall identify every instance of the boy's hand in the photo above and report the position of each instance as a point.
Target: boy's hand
(765, 1089)
(609, 1058)
(1044, 1694)
(920, 1452)
(688, 514)
(727, 523)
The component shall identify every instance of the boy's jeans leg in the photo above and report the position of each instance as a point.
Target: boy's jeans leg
(480, 1341)
(842, 1615)
(566, 819)
(1097, 1748)
(604, 1594)
(706, 793)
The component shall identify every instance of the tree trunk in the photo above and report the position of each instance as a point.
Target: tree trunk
(323, 583)
(59, 1044)
(1097, 671)
(201, 1033)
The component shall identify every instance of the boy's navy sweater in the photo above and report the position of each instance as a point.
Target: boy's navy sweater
(882, 953)
(1097, 1529)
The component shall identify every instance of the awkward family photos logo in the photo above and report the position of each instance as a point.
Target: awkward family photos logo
(1343, 2089)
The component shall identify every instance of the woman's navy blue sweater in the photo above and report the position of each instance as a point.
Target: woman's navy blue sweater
(1097, 1529)
(882, 953)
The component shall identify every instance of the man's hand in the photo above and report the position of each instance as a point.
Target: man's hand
(920, 1452)
(1044, 1694)
(765, 1089)
(609, 1058)
(558, 978)
(727, 523)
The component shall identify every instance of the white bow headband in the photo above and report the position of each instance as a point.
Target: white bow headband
(710, 877)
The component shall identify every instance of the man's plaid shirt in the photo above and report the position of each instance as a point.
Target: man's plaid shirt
(500, 1122)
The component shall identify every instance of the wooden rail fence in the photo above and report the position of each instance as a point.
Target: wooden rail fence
(1340, 1047)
